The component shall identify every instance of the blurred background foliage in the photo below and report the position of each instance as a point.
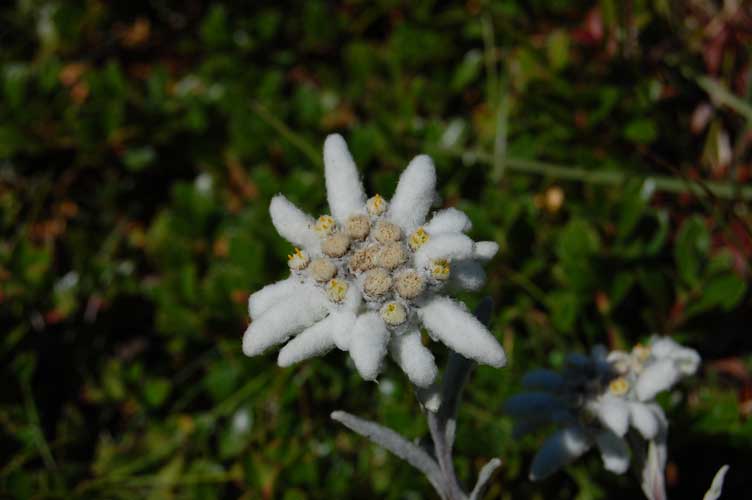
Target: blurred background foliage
(604, 144)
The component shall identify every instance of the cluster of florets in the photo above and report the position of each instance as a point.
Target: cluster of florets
(597, 399)
(388, 267)
(368, 276)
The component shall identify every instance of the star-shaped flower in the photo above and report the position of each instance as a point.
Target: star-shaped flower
(367, 277)
(596, 399)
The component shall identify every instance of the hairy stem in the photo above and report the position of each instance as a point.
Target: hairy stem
(443, 450)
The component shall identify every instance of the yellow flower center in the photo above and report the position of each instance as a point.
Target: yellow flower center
(418, 238)
(336, 290)
(376, 205)
(618, 386)
(641, 352)
(324, 225)
(440, 269)
(298, 259)
(393, 313)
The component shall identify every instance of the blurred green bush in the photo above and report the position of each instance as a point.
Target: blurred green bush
(604, 145)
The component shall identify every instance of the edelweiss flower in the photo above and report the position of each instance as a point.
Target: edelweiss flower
(596, 399)
(366, 277)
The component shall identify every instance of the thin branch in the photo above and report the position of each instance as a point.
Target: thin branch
(443, 449)
(721, 95)
(287, 133)
(483, 477)
(727, 190)
(398, 445)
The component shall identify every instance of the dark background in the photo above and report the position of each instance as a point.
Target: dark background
(605, 146)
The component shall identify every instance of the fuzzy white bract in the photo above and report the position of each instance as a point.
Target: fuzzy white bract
(368, 276)
(598, 400)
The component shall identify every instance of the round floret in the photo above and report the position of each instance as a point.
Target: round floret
(618, 386)
(336, 290)
(357, 227)
(393, 313)
(377, 282)
(418, 238)
(391, 255)
(298, 260)
(335, 245)
(387, 231)
(324, 226)
(409, 284)
(363, 259)
(440, 269)
(322, 270)
(376, 205)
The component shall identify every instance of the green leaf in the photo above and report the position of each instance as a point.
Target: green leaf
(137, 159)
(156, 391)
(634, 199)
(234, 437)
(691, 249)
(557, 47)
(468, 70)
(641, 131)
(578, 239)
(564, 308)
(723, 291)
(215, 31)
(221, 380)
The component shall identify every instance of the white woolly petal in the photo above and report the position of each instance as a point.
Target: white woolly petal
(663, 347)
(343, 187)
(270, 295)
(448, 322)
(467, 275)
(539, 405)
(313, 341)
(716, 487)
(292, 223)
(619, 360)
(656, 377)
(342, 328)
(453, 246)
(430, 397)
(414, 195)
(368, 344)
(345, 314)
(353, 298)
(414, 358)
(449, 220)
(643, 419)
(300, 310)
(614, 452)
(557, 451)
(613, 412)
(485, 250)
(542, 379)
(687, 360)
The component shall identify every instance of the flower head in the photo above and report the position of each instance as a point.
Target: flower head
(368, 276)
(597, 399)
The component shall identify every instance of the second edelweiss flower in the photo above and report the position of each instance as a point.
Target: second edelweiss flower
(597, 399)
(368, 276)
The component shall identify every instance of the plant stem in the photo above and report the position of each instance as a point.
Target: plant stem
(286, 132)
(444, 456)
(726, 190)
